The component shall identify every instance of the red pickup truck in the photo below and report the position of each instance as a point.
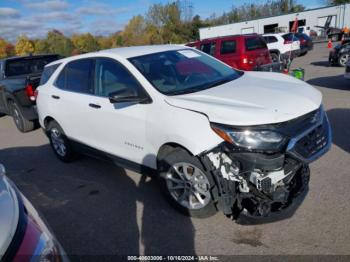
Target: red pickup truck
(245, 52)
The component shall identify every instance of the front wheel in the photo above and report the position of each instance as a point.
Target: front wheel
(343, 59)
(186, 185)
(59, 142)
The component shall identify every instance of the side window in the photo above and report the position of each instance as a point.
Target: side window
(110, 76)
(208, 48)
(47, 73)
(273, 39)
(76, 76)
(254, 43)
(228, 47)
(267, 39)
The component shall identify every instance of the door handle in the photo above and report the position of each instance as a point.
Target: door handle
(94, 106)
(55, 97)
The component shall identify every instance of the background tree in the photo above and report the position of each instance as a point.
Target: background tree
(6, 49)
(135, 32)
(337, 2)
(85, 43)
(41, 46)
(59, 44)
(24, 46)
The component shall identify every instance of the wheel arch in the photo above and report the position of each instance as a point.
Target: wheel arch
(47, 120)
(167, 148)
(274, 51)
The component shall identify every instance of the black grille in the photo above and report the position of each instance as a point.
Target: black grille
(313, 142)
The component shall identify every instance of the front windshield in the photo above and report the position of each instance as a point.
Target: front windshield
(183, 71)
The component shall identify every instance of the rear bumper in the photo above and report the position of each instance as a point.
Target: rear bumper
(30, 113)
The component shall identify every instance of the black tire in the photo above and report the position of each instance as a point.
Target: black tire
(275, 57)
(165, 165)
(21, 123)
(53, 131)
(343, 59)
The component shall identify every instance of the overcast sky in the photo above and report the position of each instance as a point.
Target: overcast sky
(35, 18)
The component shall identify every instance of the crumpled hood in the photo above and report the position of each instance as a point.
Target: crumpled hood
(255, 98)
(8, 214)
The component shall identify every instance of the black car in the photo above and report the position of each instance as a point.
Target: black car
(340, 54)
(19, 77)
(306, 43)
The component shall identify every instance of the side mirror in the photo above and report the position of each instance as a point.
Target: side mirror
(128, 95)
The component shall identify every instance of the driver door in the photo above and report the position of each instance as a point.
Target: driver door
(120, 128)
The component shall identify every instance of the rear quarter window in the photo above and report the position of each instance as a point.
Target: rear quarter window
(47, 73)
(208, 48)
(228, 47)
(254, 43)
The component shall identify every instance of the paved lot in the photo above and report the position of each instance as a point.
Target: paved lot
(98, 208)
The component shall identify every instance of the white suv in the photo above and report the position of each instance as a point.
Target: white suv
(218, 138)
(282, 45)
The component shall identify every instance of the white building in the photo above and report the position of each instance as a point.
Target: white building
(312, 18)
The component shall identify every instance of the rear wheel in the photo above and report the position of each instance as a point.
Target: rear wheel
(186, 185)
(275, 57)
(343, 59)
(21, 123)
(59, 142)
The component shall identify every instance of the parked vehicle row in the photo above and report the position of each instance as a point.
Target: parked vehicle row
(252, 52)
(24, 236)
(19, 78)
(245, 52)
(282, 45)
(225, 139)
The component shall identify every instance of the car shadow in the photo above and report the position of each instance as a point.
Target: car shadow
(332, 82)
(321, 63)
(339, 119)
(96, 209)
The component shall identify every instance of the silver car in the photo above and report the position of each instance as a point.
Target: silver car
(23, 234)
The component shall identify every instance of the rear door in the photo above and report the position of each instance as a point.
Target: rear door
(257, 51)
(70, 99)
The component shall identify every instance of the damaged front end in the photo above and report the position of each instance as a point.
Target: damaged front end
(259, 180)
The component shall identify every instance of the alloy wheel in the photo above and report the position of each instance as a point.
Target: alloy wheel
(188, 185)
(58, 142)
(343, 60)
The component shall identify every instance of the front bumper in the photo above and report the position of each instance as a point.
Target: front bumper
(260, 185)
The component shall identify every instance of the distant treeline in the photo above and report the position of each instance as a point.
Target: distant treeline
(173, 22)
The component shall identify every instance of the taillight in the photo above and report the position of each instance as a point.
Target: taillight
(244, 59)
(302, 41)
(36, 93)
(30, 92)
(286, 42)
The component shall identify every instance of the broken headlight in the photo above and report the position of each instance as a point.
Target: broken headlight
(251, 139)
